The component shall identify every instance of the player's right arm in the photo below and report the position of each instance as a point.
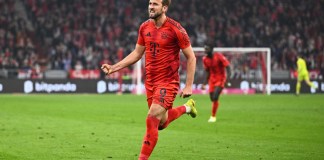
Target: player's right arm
(206, 68)
(133, 57)
(203, 87)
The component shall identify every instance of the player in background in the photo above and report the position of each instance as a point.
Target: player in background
(161, 38)
(215, 65)
(302, 74)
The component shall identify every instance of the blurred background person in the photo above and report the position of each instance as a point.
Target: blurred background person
(302, 74)
(215, 65)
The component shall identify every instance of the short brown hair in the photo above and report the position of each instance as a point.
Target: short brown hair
(166, 2)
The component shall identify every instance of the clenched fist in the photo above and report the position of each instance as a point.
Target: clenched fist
(107, 69)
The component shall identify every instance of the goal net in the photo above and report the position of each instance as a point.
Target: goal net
(251, 71)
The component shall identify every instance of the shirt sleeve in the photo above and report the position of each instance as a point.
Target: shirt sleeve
(183, 38)
(205, 65)
(224, 60)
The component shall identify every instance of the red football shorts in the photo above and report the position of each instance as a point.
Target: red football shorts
(162, 94)
(214, 84)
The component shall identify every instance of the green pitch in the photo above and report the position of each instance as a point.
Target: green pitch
(66, 127)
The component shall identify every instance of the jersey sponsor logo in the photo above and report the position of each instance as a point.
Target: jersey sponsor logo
(154, 48)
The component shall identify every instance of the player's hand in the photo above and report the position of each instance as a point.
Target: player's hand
(106, 68)
(186, 92)
(203, 86)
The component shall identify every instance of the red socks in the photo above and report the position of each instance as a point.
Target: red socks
(215, 107)
(172, 115)
(152, 126)
(150, 137)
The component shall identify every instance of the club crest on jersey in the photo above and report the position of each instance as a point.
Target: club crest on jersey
(164, 35)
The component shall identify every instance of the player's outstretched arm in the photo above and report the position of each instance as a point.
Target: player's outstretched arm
(133, 57)
(191, 67)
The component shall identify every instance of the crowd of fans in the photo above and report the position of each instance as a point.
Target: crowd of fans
(83, 34)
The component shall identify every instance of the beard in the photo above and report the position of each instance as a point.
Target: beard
(155, 15)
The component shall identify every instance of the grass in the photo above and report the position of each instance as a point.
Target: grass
(109, 126)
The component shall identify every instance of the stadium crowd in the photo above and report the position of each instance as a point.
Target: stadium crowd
(83, 34)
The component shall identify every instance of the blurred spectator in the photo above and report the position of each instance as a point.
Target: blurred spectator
(64, 33)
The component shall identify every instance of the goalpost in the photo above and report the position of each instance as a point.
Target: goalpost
(249, 65)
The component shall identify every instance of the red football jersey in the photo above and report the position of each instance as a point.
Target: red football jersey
(162, 48)
(216, 67)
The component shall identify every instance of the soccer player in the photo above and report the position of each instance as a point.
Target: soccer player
(302, 74)
(215, 65)
(161, 39)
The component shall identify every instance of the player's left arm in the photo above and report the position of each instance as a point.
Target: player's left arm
(228, 75)
(191, 67)
(227, 64)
